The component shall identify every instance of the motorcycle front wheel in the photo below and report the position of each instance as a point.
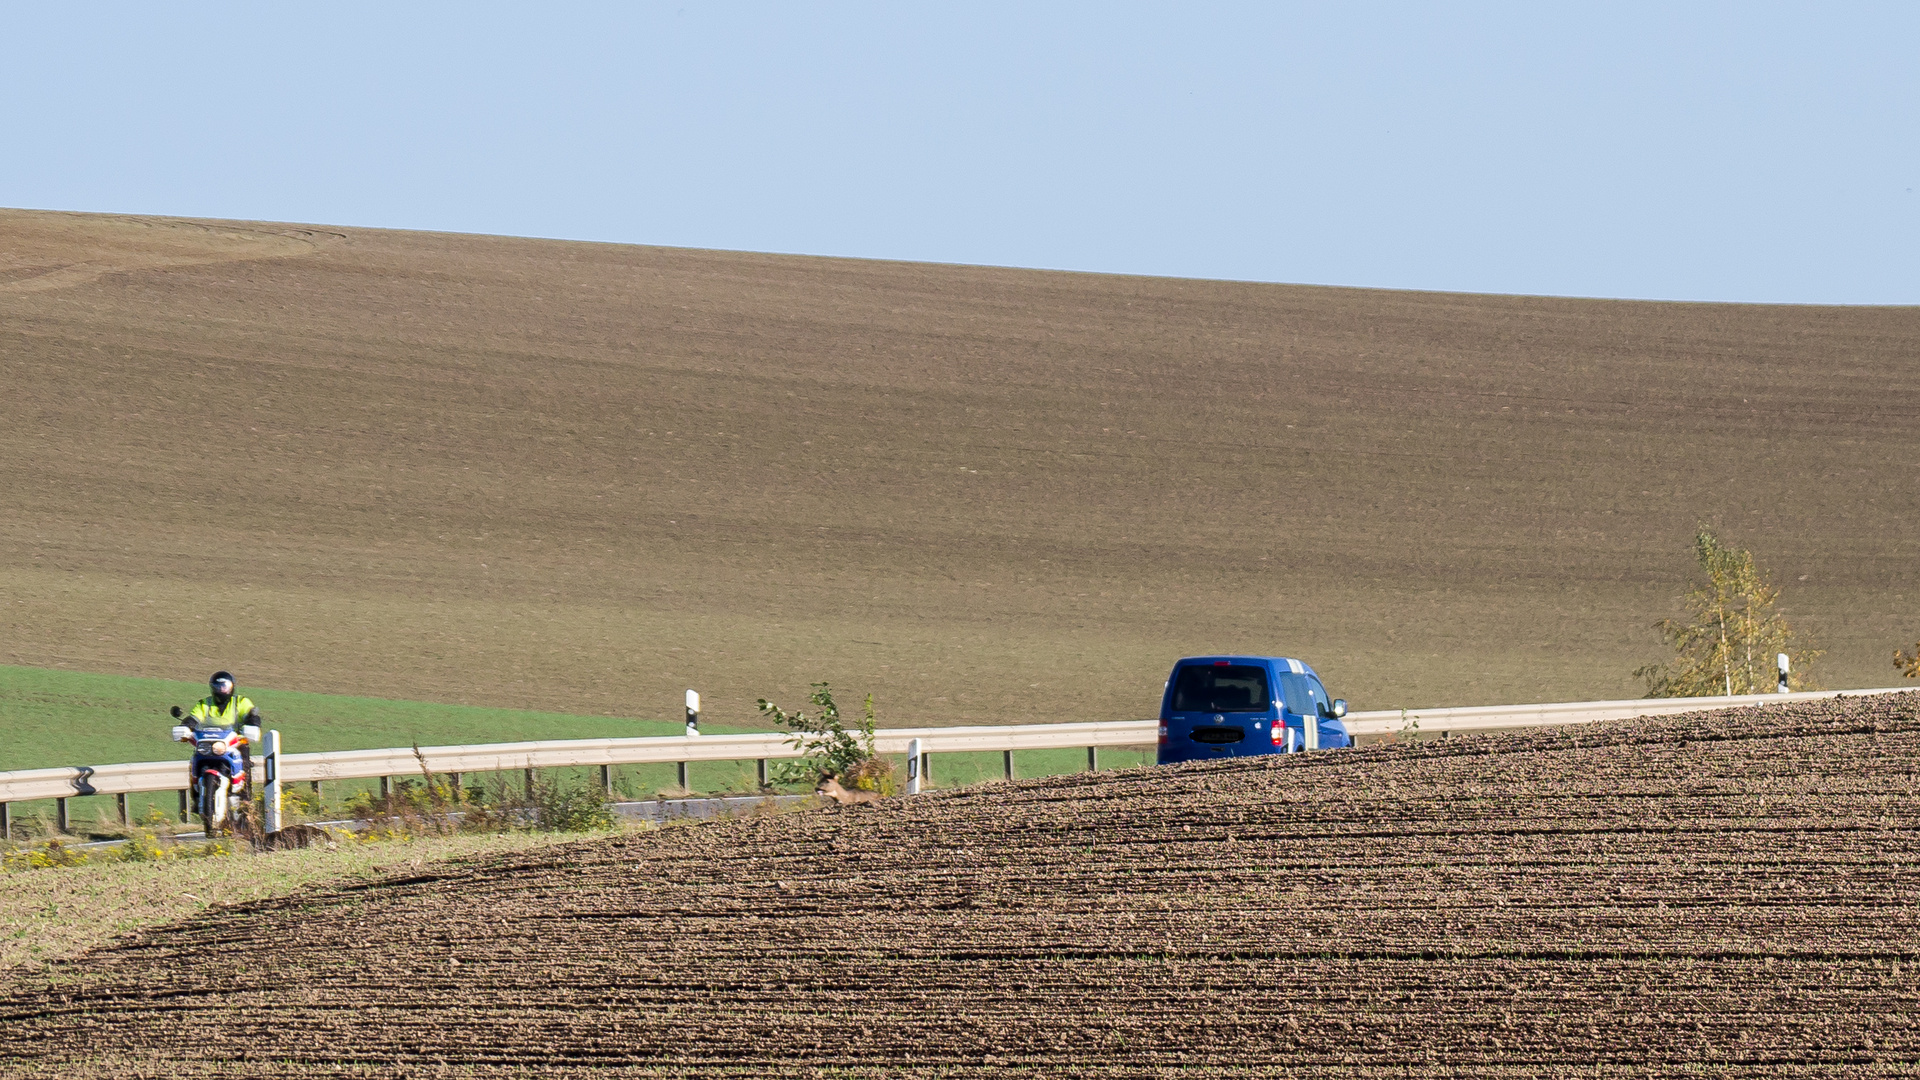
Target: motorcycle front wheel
(213, 805)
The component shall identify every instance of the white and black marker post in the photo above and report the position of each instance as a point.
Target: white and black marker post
(693, 712)
(270, 791)
(913, 766)
(1784, 665)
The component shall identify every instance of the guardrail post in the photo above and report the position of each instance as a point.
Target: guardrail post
(1008, 754)
(386, 788)
(120, 804)
(270, 791)
(606, 779)
(61, 814)
(914, 760)
(183, 806)
(6, 822)
(760, 770)
(529, 785)
(1093, 759)
(683, 777)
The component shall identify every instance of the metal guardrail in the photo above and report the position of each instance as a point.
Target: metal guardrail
(123, 779)
(1511, 717)
(560, 753)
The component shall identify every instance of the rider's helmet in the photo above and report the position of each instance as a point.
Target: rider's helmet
(221, 684)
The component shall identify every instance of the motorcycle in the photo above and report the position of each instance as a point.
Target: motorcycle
(218, 771)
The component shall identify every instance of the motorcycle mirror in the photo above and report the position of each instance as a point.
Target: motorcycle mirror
(175, 712)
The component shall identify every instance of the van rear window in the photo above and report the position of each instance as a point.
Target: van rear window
(1221, 688)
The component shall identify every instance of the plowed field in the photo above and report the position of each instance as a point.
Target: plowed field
(1727, 894)
(582, 478)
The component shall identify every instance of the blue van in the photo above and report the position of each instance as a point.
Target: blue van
(1238, 706)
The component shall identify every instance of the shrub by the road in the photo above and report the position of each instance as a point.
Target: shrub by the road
(432, 806)
(1907, 663)
(1733, 631)
(141, 847)
(827, 748)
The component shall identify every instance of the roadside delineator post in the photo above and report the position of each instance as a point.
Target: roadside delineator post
(693, 729)
(914, 759)
(1310, 729)
(1785, 665)
(270, 791)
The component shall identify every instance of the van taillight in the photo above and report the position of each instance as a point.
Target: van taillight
(1163, 734)
(1279, 733)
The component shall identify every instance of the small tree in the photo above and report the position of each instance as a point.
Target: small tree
(1728, 643)
(827, 748)
(1908, 663)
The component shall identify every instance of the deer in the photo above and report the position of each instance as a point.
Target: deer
(829, 786)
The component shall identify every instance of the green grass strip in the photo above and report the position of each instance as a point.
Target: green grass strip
(54, 718)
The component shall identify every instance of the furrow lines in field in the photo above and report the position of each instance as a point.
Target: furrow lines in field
(1689, 895)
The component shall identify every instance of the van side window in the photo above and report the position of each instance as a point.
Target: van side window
(1305, 696)
(1321, 699)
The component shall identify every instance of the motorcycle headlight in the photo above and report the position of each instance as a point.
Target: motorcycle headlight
(220, 747)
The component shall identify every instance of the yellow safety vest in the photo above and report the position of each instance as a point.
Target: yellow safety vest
(235, 714)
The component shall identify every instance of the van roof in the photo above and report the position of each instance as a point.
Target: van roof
(1285, 663)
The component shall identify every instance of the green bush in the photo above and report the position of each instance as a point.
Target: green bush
(571, 808)
(827, 748)
(431, 805)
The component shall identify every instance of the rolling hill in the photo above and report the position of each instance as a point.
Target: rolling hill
(580, 477)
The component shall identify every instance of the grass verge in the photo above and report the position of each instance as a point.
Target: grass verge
(52, 914)
(51, 718)
(54, 718)
(57, 718)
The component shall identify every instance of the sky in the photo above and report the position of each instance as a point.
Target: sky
(1680, 151)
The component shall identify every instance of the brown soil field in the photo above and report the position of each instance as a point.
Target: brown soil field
(585, 476)
(1725, 894)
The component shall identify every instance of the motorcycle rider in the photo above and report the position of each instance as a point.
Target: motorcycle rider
(227, 709)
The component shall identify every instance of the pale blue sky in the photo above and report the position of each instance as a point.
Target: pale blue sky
(1737, 151)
